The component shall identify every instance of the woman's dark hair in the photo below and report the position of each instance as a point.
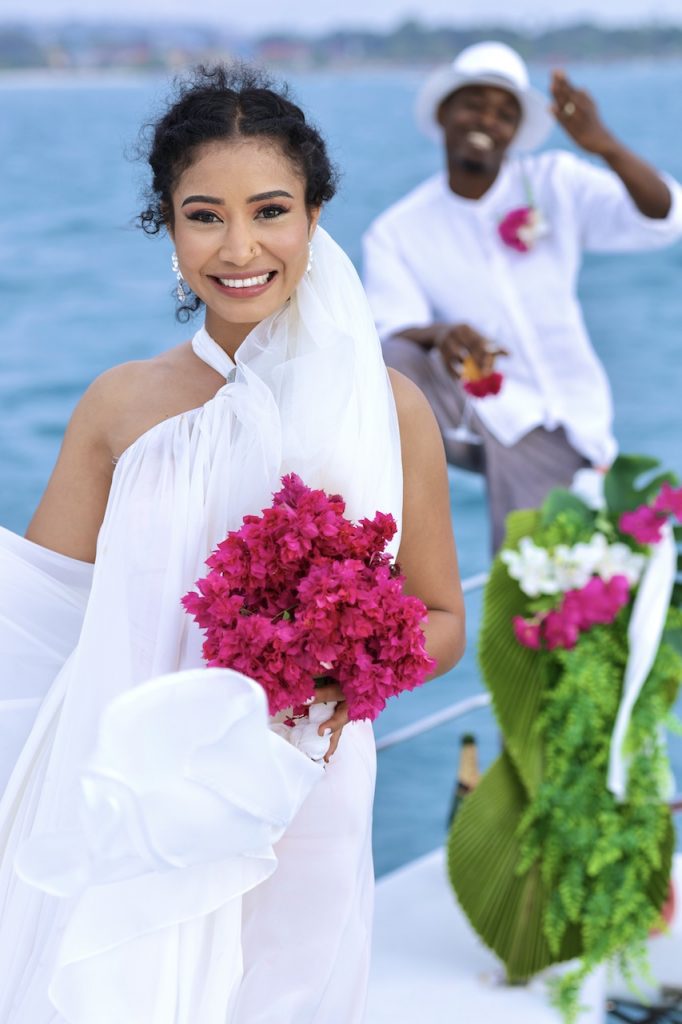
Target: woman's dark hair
(224, 102)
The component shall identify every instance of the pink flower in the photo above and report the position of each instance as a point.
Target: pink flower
(597, 603)
(484, 386)
(669, 501)
(522, 227)
(527, 632)
(644, 524)
(559, 630)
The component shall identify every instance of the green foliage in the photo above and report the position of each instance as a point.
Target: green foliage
(630, 482)
(571, 511)
(568, 870)
(606, 864)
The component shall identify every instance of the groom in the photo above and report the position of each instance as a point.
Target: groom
(449, 275)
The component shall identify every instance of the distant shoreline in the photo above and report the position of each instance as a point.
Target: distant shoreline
(73, 47)
(116, 77)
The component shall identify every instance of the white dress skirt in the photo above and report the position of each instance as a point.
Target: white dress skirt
(165, 858)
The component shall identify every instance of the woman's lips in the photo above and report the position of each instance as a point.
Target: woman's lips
(244, 286)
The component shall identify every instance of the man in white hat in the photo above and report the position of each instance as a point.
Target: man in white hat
(482, 261)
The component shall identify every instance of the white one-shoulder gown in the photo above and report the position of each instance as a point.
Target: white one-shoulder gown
(165, 858)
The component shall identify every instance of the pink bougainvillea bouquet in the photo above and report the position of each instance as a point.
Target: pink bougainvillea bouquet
(301, 594)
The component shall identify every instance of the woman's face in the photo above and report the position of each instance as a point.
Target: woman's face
(241, 231)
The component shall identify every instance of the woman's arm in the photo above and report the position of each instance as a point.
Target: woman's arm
(71, 510)
(427, 553)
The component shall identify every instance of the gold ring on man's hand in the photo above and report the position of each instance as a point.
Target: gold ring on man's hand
(569, 108)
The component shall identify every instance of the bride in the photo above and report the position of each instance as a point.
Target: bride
(165, 857)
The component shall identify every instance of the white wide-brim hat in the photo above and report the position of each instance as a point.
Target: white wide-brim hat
(487, 64)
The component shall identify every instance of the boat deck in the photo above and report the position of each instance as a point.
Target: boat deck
(429, 966)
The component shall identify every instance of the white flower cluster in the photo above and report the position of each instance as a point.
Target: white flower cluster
(536, 227)
(540, 571)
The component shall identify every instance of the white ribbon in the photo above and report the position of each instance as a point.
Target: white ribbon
(644, 636)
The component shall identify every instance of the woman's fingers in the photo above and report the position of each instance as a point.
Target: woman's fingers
(335, 723)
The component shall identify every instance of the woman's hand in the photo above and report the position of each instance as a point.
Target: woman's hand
(324, 693)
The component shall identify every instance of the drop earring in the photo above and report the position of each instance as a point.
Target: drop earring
(310, 258)
(180, 291)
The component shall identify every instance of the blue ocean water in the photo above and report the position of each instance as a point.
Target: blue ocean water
(82, 289)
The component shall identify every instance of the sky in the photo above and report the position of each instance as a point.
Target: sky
(311, 16)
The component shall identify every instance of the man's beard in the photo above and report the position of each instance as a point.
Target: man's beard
(472, 166)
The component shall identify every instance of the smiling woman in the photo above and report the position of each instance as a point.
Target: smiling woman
(224, 876)
(241, 252)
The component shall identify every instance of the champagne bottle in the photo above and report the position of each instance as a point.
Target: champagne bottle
(468, 773)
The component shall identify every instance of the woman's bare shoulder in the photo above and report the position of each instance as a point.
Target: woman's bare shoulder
(127, 400)
(118, 407)
(138, 376)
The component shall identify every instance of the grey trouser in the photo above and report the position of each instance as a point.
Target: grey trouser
(517, 476)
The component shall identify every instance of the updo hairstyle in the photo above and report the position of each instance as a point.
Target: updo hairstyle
(225, 102)
(222, 103)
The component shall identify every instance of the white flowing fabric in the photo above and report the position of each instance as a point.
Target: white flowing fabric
(645, 630)
(167, 913)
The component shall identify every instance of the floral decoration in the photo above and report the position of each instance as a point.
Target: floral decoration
(523, 226)
(570, 826)
(479, 382)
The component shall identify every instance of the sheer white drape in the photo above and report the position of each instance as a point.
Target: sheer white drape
(310, 395)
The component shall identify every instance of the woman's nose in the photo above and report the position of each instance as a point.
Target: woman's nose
(238, 246)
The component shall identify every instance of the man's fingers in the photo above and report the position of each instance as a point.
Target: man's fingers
(460, 341)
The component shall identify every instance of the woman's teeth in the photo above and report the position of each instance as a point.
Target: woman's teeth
(243, 282)
(480, 140)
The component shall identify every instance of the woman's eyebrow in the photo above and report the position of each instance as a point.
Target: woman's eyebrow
(259, 197)
(203, 199)
(269, 195)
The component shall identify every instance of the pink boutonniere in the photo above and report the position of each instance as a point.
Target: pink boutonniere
(521, 228)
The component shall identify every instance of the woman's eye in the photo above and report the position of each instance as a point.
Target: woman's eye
(204, 216)
(270, 212)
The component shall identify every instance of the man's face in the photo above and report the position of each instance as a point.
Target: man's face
(479, 123)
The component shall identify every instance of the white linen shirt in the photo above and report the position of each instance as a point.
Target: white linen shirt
(435, 256)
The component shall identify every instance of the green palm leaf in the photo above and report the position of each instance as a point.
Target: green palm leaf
(507, 910)
(515, 676)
